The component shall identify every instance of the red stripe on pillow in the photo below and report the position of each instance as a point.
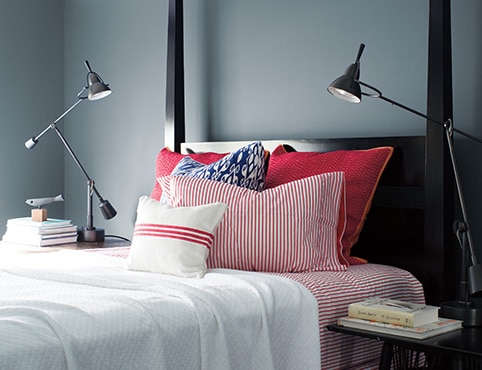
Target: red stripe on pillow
(175, 232)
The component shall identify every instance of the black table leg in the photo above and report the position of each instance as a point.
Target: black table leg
(386, 356)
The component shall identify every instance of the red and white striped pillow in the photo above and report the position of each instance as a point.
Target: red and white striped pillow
(294, 227)
(173, 241)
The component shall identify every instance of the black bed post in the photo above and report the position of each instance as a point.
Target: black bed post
(174, 132)
(439, 188)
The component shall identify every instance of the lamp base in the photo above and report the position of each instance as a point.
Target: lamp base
(469, 312)
(90, 235)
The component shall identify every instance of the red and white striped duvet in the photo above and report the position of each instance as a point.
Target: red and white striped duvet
(335, 290)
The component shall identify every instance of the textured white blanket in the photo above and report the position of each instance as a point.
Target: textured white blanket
(78, 310)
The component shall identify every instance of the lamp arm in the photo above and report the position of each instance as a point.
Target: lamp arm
(379, 95)
(30, 143)
(360, 52)
(54, 127)
(458, 184)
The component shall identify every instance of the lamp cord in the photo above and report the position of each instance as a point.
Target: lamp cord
(118, 237)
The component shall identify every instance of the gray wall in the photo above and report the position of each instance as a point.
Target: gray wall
(272, 60)
(255, 69)
(31, 96)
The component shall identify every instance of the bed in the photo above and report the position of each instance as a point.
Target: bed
(77, 309)
(119, 309)
(74, 309)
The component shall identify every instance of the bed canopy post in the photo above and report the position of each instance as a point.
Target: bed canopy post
(439, 189)
(174, 131)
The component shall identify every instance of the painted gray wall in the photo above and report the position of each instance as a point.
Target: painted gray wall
(254, 69)
(31, 96)
(272, 60)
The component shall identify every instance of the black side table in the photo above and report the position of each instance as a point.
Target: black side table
(459, 349)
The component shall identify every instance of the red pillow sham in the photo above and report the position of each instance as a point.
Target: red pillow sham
(362, 168)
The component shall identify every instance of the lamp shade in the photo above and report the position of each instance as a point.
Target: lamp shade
(347, 86)
(107, 210)
(475, 281)
(97, 89)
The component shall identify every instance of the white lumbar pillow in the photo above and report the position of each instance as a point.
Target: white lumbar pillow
(173, 241)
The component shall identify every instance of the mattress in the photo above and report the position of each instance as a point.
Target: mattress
(79, 310)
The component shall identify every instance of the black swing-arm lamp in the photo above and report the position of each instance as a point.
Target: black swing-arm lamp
(347, 87)
(96, 89)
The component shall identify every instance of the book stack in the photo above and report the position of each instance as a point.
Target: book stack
(382, 315)
(53, 231)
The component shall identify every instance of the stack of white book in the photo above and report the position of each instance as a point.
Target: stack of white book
(53, 231)
(396, 317)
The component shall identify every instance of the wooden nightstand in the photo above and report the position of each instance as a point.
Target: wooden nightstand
(109, 242)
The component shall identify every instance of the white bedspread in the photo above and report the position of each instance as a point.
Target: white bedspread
(79, 310)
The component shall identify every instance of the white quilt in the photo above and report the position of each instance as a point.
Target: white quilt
(80, 310)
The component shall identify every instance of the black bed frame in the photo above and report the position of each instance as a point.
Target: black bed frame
(410, 223)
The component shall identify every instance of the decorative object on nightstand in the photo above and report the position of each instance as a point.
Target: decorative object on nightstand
(96, 89)
(347, 87)
(39, 213)
(26, 231)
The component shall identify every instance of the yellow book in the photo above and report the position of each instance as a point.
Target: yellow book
(393, 312)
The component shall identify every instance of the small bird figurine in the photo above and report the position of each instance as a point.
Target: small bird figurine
(39, 202)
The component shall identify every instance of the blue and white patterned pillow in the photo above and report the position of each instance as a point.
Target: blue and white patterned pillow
(246, 167)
